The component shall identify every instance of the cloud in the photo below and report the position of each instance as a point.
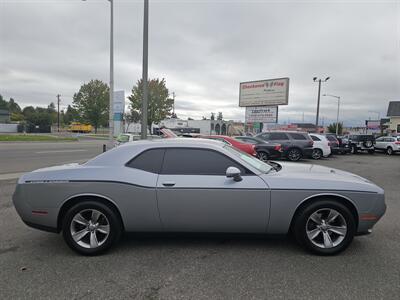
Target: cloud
(204, 49)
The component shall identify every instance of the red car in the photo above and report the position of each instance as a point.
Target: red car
(248, 148)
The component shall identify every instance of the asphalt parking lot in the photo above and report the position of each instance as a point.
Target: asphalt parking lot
(39, 265)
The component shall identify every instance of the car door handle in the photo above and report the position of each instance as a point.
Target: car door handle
(168, 183)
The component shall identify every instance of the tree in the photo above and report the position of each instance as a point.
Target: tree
(92, 102)
(159, 106)
(220, 116)
(13, 106)
(131, 117)
(3, 103)
(332, 128)
(70, 115)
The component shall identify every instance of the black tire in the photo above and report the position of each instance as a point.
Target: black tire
(301, 221)
(263, 156)
(317, 154)
(109, 216)
(354, 149)
(294, 154)
(389, 151)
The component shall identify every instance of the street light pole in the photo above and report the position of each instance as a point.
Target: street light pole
(319, 97)
(111, 100)
(145, 69)
(111, 108)
(338, 108)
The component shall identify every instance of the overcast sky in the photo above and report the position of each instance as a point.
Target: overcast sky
(204, 49)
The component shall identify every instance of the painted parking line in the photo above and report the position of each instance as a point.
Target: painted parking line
(61, 151)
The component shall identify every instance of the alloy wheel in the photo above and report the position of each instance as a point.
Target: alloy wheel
(90, 228)
(316, 154)
(262, 156)
(326, 228)
(294, 155)
(389, 151)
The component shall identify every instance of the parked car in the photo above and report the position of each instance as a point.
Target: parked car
(265, 150)
(248, 148)
(295, 145)
(362, 142)
(344, 146)
(389, 144)
(334, 143)
(129, 137)
(321, 146)
(196, 185)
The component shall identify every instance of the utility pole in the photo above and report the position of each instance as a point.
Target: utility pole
(173, 106)
(315, 79)
(58, 112)
(145, 70)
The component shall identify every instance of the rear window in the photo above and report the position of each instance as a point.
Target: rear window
(331, 138)
(298, 136)
(314, 138)
(149, 161)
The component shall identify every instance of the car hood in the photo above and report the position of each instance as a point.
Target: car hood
(311, 176)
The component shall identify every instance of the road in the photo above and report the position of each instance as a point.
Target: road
(37, 264)
(16, 158)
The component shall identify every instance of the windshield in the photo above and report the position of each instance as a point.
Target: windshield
(263, 167)
(123, 138)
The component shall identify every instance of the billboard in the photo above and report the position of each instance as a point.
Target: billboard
(261, 114)
(264, 92)
(373, 124)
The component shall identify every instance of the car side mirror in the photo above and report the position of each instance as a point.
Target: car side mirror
(233, 172)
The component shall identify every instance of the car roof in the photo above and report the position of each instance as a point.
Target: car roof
(127, 151)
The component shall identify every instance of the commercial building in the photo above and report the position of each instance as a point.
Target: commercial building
(394, 114)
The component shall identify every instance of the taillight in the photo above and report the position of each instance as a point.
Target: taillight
(278, 147)
(397, 143)
(311, 143)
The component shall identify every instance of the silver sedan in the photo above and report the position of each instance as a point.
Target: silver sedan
(196, 185)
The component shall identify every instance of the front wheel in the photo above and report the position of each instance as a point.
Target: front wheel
(91, 227)
(263, 156)
(294, 154)
(317, 154)
(389, 151)
(324, 227)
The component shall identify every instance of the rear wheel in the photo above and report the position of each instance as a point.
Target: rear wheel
(263, 156)
(324, 227)
(389, 151)
(91, 228)
(294, 154)
(317, 154)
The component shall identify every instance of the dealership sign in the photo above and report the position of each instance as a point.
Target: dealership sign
(262, 114)
(264, 92)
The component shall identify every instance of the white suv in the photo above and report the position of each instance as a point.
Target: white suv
(389, 144)
(321, 146)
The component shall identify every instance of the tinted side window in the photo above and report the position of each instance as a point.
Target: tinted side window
(278, 136)
(149, 161)
(188, 161)
(314, 138)
(298, 136)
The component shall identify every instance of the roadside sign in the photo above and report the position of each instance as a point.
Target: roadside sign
(262, 114)
(119, 108)
(264, 92)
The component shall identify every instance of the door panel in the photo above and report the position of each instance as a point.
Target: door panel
(213, 203)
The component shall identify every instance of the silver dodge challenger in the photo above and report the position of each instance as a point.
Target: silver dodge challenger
(196, 185)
